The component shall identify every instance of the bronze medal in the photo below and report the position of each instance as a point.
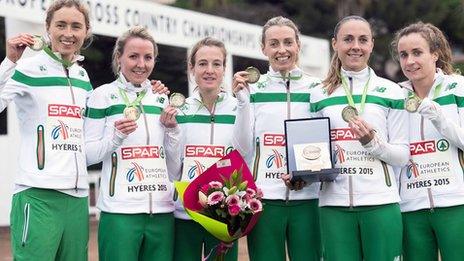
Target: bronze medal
(349, 112)
(253, 74)
(132, 113)
(39, 43)
(412, 103)
(177, 100)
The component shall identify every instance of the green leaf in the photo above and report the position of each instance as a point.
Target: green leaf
(243, 185)
(232, 190)
(226, 181)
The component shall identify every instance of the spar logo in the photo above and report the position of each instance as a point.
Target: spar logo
(61, 110)
(274, 140)
(424, 147)
(142, 152)
(342, 134)
(60, 130)
(276, 159)
(206, 151)
(412, 169)
(339, 154)
(135, 172)
(196, 170)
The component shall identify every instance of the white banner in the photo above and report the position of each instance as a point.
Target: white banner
(171, 26)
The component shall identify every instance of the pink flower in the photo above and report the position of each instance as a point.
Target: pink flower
(204, 188)
(234, 210)
(246, 198)
(259, 193)
(232, 200)
(215, 198)
(216, 185)
(255, 206)
(202, 199)
(251, 192)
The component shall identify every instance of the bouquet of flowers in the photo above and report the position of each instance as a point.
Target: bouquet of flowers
(224, 200)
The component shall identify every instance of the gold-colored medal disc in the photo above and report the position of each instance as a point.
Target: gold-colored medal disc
(349, 113)
(177, 100)
(39, 43)
(131, 113)
(412, 103)
(253, 74)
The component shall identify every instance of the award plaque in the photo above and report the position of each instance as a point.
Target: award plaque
(131, 113)
(253, 74)
(177, 100)
(309, 151)
(39, 43)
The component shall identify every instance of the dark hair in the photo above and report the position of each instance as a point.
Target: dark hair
(332, 81)
(435, 39)
(133, 32)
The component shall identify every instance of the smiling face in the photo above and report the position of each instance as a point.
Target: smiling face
(67, 31)
(137, 60)
(281, 48)
(353, 44)
(208, 69)
(416, 60)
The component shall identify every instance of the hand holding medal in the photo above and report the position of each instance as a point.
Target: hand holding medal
(16, 45)
(168, 117)
(243, 78)
(362, 130)
(125, 126)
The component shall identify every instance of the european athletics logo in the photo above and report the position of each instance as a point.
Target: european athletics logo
(196, 170)
(60, 129)
(412, 170)
(339, 154)
(275, 159)
(136, 171)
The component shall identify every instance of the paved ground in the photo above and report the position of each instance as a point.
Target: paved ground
(5, 252)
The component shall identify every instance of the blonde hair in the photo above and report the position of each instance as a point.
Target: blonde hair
(134, 32)
(279, 21)
(79, 5)
(435, 39)
(333, 80)
(207, 41)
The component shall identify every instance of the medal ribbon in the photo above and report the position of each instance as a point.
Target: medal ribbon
(289, 77)
(135, 102)
(349, 96)
(65, 63)
(436, 92)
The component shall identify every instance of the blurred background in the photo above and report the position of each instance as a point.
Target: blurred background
(178, 24)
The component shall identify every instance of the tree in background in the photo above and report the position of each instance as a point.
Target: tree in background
(318, 18)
